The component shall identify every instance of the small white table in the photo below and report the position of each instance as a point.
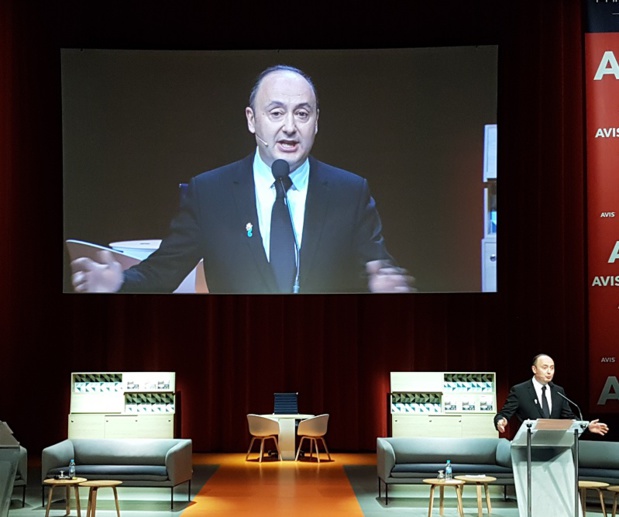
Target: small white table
(287, 432)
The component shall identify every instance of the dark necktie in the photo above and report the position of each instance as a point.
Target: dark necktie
(545, 406)
(282, 248)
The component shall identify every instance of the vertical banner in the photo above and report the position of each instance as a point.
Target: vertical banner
(602, 147)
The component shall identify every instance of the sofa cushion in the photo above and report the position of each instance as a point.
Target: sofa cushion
(459, 469)
(90, 451)
(439, 450)
(602, 474)
(598, 455)
(120, 472)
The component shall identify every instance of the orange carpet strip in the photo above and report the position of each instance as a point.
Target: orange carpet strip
(277, 488)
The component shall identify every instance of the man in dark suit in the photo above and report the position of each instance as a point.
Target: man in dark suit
(225, 219)
(526, 400)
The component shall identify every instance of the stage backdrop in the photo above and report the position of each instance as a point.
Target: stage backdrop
(602, 126)
(232, 352)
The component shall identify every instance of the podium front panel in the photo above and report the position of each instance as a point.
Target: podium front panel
(9, 457)
(553, 483)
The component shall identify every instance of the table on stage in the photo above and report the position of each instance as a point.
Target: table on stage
(442, 483)
(480, 481)
(68, 484)
(287, 432)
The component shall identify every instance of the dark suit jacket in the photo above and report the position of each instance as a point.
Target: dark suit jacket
(342, 231)
(522, 402)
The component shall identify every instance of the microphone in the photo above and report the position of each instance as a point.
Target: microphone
(280, 169)
(263, 141)
(573, 404)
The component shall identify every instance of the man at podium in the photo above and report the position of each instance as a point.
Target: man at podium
(539, 397)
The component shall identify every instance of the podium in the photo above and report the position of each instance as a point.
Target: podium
(545, 463)
(9, 457)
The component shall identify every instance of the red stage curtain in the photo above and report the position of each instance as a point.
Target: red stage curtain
(231, 353)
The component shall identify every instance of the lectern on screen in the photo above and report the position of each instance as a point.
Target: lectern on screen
(545, 469)
(419, 124)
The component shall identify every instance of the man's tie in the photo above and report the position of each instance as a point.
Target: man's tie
(282, 250)
(545, 406)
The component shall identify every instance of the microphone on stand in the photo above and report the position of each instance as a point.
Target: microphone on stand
(281, 169)
(573, 404)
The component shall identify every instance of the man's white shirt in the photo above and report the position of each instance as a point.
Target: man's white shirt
(265, 197)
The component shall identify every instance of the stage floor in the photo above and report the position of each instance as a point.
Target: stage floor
(227, 485)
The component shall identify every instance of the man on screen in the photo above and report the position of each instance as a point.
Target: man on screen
(539, 397)
(332, 235)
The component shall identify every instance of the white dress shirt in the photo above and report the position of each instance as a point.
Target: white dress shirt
(538, 391)
(265, 197)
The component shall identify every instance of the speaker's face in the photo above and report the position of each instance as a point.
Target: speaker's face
(284, 118)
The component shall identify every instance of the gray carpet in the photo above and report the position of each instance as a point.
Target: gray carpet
(136, 502)
(412, 500)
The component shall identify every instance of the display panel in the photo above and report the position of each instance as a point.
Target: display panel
(137, 124)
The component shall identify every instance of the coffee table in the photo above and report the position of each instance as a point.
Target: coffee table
(94, 486)
(583, 486)
(442, 483)
(615, 491)
(479, 482)
(67, 483)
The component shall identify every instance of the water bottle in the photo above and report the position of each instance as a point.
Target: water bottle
(448, 471)
(72, 469)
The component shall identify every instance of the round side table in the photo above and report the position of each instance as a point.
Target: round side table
(94, 486)
(67, 484)
(442, 483)
(583, 486)
(479, 482)
(615, 491)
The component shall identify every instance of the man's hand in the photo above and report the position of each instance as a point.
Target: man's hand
(105, 276)
(501, 425)
(384, 277)
(597, 427)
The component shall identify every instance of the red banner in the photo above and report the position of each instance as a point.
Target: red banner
(602, 126)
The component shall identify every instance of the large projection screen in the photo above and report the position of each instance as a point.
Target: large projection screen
(137, 123)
